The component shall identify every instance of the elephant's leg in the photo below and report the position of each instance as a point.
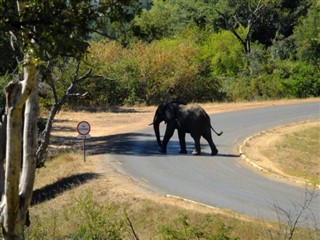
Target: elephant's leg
(168, 134)
(182, 140)
(208, 137)
(197, 150)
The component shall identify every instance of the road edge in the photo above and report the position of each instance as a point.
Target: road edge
(276, 176)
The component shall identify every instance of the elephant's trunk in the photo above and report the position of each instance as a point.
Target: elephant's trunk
(156, 125)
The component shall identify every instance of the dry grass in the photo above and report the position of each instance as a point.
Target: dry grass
(292, 151)
(297, 152)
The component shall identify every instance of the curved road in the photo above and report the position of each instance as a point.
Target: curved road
(221, 181)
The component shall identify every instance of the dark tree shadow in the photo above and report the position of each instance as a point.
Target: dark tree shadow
(52, 190)
(64, 129)
(125, 144)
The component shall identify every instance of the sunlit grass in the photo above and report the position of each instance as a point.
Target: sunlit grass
(298, 153)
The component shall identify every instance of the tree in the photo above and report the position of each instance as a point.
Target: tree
(277, 20)
(155, 23)
(58, 101)
(224, 53)
(307, 35)
(242, 14)
(41, 30)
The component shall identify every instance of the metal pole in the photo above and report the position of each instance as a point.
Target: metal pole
(84, 149)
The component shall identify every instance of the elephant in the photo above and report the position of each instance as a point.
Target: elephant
(186, 119)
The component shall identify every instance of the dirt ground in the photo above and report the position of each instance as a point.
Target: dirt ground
(126, 120)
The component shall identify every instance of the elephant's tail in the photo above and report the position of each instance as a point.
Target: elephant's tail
(219, 134)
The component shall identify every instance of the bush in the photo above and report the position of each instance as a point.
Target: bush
(224, 53)
(96, 221)
(298, 79)
(184, 229)
(152, 73)
(195, 66)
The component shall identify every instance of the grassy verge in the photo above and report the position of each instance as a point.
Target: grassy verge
(71, 203)
(297, 151)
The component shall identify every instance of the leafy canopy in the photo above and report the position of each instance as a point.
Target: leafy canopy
(62, 27)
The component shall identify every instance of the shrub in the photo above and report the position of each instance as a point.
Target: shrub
(152, 73)
(224, 53)
(96, 221)
(298, 79)
(184, 229)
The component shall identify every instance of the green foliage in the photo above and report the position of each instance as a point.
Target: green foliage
(96, 221)
(224, 53)
(155, 23)
(170, 18)
(186, 52)
(151, 73)
(279, 79)
(300, 79)
(307, 35)
(4, 80)
(42, 230)
(198, 66)
(185, 229)
(66, 37)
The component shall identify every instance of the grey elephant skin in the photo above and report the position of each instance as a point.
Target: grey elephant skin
(186, 119)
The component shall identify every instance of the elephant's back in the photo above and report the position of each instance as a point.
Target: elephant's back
(195, 115)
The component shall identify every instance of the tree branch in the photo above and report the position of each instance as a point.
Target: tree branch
(45, 135)
(135, 235)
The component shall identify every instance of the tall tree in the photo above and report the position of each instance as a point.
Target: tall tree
(278, 19)
(41, 30)
(307, 35)
(241, 14)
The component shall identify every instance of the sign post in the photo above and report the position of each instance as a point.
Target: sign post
(83, 129)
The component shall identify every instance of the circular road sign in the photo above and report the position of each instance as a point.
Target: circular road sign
(83, 128)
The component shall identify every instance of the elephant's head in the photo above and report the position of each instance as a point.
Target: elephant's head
(165, 112)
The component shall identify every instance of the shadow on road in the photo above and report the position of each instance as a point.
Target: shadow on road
(124, 144)
(228, 155)
(138, 144)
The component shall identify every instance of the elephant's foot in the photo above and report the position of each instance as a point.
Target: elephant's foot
(214, 153)
(195, 152)
(183, 151)
(163, 151)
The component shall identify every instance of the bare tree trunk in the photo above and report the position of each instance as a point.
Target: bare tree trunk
(18, 185)
(3, 128)
(15, 201)
(10, 200)
(30, 136)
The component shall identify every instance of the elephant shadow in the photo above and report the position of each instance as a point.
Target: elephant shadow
(136, 143)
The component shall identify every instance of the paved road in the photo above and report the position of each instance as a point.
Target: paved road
(222, 181)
